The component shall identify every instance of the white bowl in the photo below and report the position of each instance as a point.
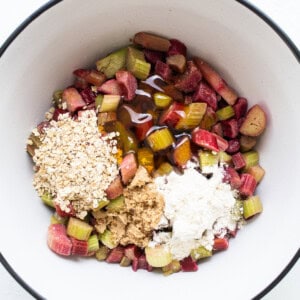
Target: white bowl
(261, 64)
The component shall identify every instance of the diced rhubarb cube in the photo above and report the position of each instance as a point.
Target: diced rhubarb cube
(172, 115)
(115, 189)
(91, 76)
(80, 83)
(232, 177)
(233, 146)
(205, 139)
(81, 73)
(182, 152)
(220, 244)
(87, 95)
(128, 82)
(238, 161)
(79, 247)
(58, 240)
(163, 70)
(111, 87)
(230, 128)
(176, 47)
(153, 56)
(209, 119)
(177, 63)
(188, 81)
(204, 93)
(240, 108)
(63, 213)
(132, 252)
(58, 112)
(128, 167)
(73, 99)
(217, 129)
(232, 233)
(222, 143)
(141, 263)
(248, 185)
(188, 265)
(115, 255)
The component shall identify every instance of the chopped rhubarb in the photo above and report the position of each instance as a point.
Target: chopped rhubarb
(91, 76)
(151, 41)
(240, 108)
(176, 47)
(248, 185)
(209, 119)
(233, 146)
(173, 92)
(172, 115)
(163, 70)
(188, 81)
(115, 189)
(238, 161)
(58, 112)
(153, 56)
(128, 167)
(129, 83)
(205, 139)
(79, 247)
(220, 244)
(232, 177)
(222, 143)
(58, 241)
(204, 93)
(132, 252)
(182, 152)
(177, 62)
(141, 263)
(111, 87)
(230, 128)
(62, 213)
(115, 255)
(73, 99)
(87, 95)
(188, 265)
(160, 139)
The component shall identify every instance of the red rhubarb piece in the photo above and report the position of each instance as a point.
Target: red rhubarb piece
(141, 263)
(232, 177)
(128, 167)
(58, 241)
(205, 139)
(230, 128)
(132, 252)
(188, 81)
(43, 126)
(233, 146)
(90, 76)
(80, 83)
(153, 56)
(188, 265)
(63, 213)
(240, 108)
(176, 47)
(172, 115)
(115, 189)
(248, 185)
(79, 247)
(87, 95)
(222, 143)
(111, 87)
(220, 244)
(128, 83)
(115, 255)
(163, 70)
(238, 161)
(232, 233)
(58, 112)
(217, 129)
(204, 93)
(73, 99)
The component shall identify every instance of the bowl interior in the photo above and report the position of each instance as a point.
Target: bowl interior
(249, 55)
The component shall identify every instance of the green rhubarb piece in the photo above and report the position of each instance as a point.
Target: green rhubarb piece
(252, 206)
(126, 138)
(116, 205)
(251, 159)
(102, 253)
(47, 199)
(173, 267)
(158, 256)
(160, 139)
(162, 100)
(125, 261)
(136, 63)
(107, 239)
(224, 157)
(225, 113)
(207, 159)
(112, 63)
(99, 100)
(57, 219)
(108, 103)
(164, 168)
(93, 243)
(57, 96)
(79, 229)
(101, 204)
(200, 252)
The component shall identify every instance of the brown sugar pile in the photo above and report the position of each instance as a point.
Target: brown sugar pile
(142, 211)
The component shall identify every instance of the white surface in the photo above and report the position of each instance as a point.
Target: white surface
(283, 12)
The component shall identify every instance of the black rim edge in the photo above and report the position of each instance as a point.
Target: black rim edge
(251, 7)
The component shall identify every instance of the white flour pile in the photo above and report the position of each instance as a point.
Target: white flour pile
(197, 208)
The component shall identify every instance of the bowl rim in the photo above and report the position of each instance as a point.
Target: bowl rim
(269, 21)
